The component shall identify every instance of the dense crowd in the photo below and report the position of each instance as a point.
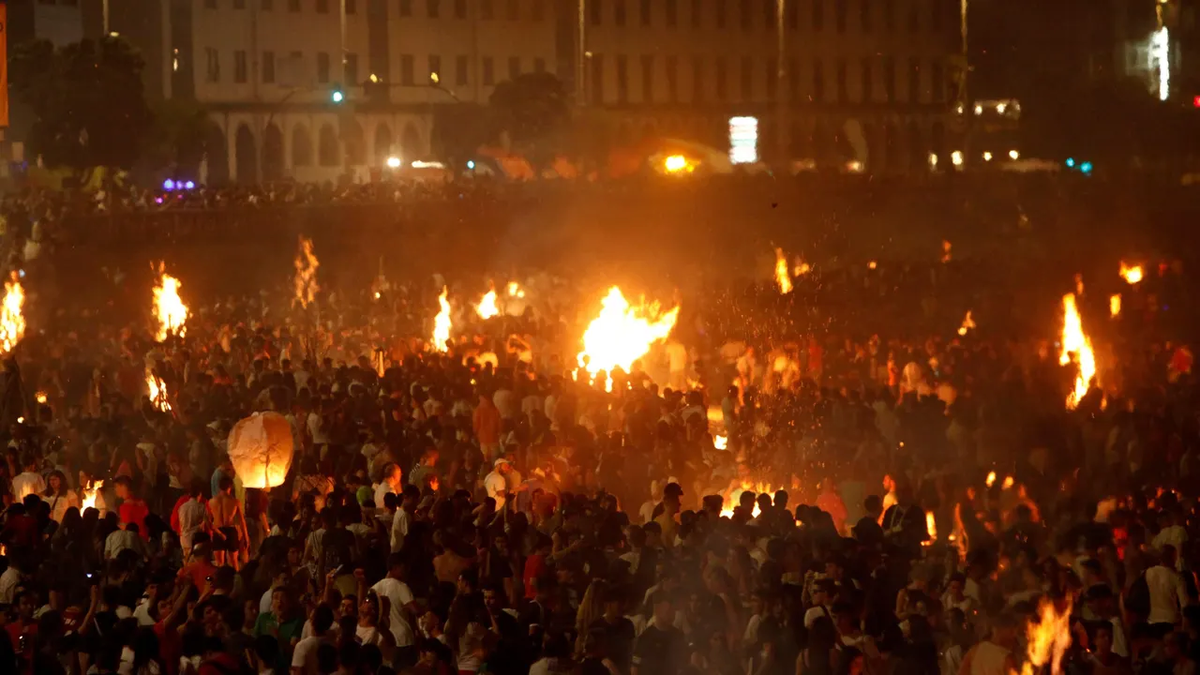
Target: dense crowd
(807, 484)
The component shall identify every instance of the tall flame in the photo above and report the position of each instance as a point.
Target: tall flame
(487, 306)
(1131, 274)
(306, 273)
(967, 324)
(441, 324)
(89, 495)
(622, 334)
(1075, 342)
(782, 275)
(800, 268)
(12, 321)
(1114, 304)
(158, 392)
(1048, 639)
(169, 310)
(931, 527)
(720, 442)
(991, 478)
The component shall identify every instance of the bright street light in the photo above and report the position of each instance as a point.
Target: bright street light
(393, 162)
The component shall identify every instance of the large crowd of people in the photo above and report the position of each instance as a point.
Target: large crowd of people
(779, 487)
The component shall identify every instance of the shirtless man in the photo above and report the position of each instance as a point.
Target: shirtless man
(229, 525)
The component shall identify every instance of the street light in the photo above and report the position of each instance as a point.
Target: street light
(393, 162)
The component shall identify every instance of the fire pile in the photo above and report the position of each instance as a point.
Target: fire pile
(169, 310)
(89, 495)
(782, 274)
(487, 308)
(733, 497)
(306, 274)
(1074, 341)
(441, 324)
(1048, 639)
(622, 334)
(158, 391)
(12, 321)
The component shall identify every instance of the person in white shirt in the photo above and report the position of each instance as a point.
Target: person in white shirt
(402, 606)
(29, 481)
(304, 656)
(403, 518)
(1172, 534)
(391, 482)
(194, 516)
(11, 579)
(120, 540)
(1168, 595)
(496, 484)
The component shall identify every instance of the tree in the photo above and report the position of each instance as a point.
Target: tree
(532, 109)
(87, 99)
(177, 138)
(459, 130)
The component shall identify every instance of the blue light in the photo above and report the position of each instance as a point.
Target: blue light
(1070, 162)
(1086, 168)
(471, 165)
(168, 185)
(190, 185)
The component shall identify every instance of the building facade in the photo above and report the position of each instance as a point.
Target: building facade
(869, 82)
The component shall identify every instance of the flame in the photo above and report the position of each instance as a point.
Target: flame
(515, 290)
(1079, 284)
(946, 250)
(967, 324)
(169, 310)
(991, 479)
(306, 273)
(41, 397)
(12, 321)
(1048, 639)
(872, 265)
(158, 392)
(89, 495)
(931, 527)
(1008, 483)
(677, 164)
(1075, 342)
(441, 324)
(1114, 304)
(781, 272)
(800, 268)
(720, 442)
(622, 334)
(487, 306)
(733, 497)
(1132, 275)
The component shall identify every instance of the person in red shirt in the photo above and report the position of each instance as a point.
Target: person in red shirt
(133, 509)
(23, 632)
(20, 528)
(201, 568)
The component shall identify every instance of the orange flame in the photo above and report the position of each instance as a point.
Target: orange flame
(1114, 304)
(782, 276)
(169, 310)
(158, 392)
(487, 306)
(1048, 639)
(1008, 483)
(1075, 342)
(931, 527)
(515, 290)
(720, 442)
(946, 250)
(1131, 274)
(991, 479)
(622, 334)
(306, 273)
(800, 268)
(41, 397)
(733, 497)
(967, 324)
(89, 495)
(12, 321)
(441, 324)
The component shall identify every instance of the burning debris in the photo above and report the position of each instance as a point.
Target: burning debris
(306, 274)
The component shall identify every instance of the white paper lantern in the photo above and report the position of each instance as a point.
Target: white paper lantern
(260, 448)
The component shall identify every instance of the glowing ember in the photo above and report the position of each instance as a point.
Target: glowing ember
(1048, 639)
(487, 306)
(946, 251)
(1114, 304)
(1008, 483)
(306, 273)
(12, 321)
(1075, 342)
(967, 324)
(41, 397)
(158, 392)
(782, 277)
(441, 324)
(931, 528)
(991, 479)
(720, 442)
(872, 265)
(622, 334)
(89, 495)
(169, 310)
(515, 290)
(1131, 274)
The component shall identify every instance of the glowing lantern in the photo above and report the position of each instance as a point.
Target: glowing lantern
(260, 449)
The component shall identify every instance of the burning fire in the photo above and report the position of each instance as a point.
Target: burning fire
(1075, 342)
(1008, 483)
(41, 397)
(89, 495)
(733, 497)
(946, 250)
(800, 268)
(931, 528)
(515, 290)
(306, 273)
(1048, 639)
(441, 324)
(872, 265)
(720, 442)
(991, 479)
(782, 276)
(967, 324)
(158, 392)
(1114, 304)
(169, 310)
(487, 306)
(12, 322)
(1131, 274)
(622, 334)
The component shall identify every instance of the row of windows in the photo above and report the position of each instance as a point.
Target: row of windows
(486, 9)
(750, 14)
(870, 90)
(408, 74)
